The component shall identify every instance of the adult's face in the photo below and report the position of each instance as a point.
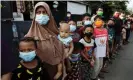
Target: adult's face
(41, 10)
(41, 17)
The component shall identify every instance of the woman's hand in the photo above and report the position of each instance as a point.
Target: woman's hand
(57, 76)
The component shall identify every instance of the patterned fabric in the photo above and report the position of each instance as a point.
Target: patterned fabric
(111, 34)
(86, 71)
(75, 72)
(22, 73)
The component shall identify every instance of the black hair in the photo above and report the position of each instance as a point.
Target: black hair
(68, 12)
(86, 14)
(72, 20)
(28, 39)
(98, 17)
(88, 26)
(99, 7)
(78, 46)
(112, 19)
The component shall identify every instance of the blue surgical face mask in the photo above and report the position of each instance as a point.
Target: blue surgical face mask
(42, 19)
(27, 56)
(72, 28)
(87, 22)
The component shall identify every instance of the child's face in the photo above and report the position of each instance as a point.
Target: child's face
(26, 46)
(98, 23)
(64, 30)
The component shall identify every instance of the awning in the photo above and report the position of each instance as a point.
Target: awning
(76, 8)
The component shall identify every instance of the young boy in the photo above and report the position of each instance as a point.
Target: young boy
(111, 35)
(88, 55)
(75, 73)
(30, 67)
(101, 40)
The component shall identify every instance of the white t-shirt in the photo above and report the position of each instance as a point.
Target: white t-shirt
(100, 40)
(88, 46)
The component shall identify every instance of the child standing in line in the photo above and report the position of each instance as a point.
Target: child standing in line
(88, 54)
(102, 49)
(75, 59)
(111, 35)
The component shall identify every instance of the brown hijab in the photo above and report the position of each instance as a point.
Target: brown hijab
(49, 48)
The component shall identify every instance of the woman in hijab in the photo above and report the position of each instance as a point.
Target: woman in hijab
(49, 49)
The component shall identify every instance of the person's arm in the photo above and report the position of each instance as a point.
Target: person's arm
(6, 76)
(112, 45)
(93, 51)
(71, 48)
(83, 54)
(107, 46)
(59, 71)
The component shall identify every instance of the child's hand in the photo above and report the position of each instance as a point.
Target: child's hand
(107, 54)
(92, 62)
(57, 75)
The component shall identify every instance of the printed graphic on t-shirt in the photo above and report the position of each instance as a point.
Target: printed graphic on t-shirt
(88, 46)
(100, 40)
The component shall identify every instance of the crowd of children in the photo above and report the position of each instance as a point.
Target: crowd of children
(93, 45)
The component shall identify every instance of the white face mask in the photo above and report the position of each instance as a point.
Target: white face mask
(55, 6)
(72, 28)
(87, 22)
(42, 19)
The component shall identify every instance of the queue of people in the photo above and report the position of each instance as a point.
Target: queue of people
(69, 53)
